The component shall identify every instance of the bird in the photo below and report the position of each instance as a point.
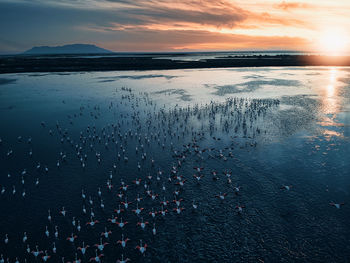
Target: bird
(47, 233)
(141, 247)
(122, 260)
(97, 258)
(6, 240)
(45, 257)
(72, 237)
(138, 210)
(92, 222)
(123, 241)
(142, 224)
(37, 252)
(83, 248)
(240, 208)
(121, 224)
(101, 245)
(286, 187)
(154, 231)
(25, 238)
(106, 233)
(221, 196)
(63, 211)
(337, 205)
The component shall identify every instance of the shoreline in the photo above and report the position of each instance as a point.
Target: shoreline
(64, 63)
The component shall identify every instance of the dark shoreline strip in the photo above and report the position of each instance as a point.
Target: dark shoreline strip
(26, 64)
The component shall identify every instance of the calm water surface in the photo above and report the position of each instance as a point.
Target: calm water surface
(262, 128)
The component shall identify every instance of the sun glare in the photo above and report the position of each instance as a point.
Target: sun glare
(334, 42)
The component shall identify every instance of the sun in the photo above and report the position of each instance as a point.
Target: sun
(334, 42)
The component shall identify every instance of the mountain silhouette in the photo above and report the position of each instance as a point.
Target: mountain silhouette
(67, 49)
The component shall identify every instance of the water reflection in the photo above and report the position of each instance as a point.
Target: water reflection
(331, 105)
(330, 98)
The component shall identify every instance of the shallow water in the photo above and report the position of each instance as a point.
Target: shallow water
(268, 126)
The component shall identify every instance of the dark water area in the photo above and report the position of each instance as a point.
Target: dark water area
(279, 135)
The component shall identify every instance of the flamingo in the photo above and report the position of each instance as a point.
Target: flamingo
(142, 224)
(240, 208)
(198, 177)
(163, 212)
(137, 181)
(54, 250)
(56, 232)
(72, 238)
(215, 177)
(153, 213)
(97, 258)
(126, 203)
(177, 202)
(124, 187)
(36, 252)
(154, 196)
(92, 222)
(138, 199)
(138, 210)
(123, 241)
(154, 231)
(109, 185)
(63, 211)
(286, 187)
(78, 226)
(106, 233)
(198, 169)
(113, 220)
(76, 259)
(181, 183)
(194, 205)
(83, 248)
(237, 189)
(123, 260)
(46, 257)
(141, 248)
(221, 196)
(119, 210)
(164, 202)
(47, 233)
(336, 205)
(25, 237)
(121, 224)
(101, 246)
(179, 209)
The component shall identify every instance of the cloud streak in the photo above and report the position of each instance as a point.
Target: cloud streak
(293, 5)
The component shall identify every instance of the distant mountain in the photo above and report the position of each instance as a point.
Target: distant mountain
(67, 49)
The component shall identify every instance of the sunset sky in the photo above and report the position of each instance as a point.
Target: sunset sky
(162, 25)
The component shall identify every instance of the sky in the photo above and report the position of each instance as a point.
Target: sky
(177, 25)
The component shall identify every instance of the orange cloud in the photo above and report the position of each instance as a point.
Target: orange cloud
(292, 5)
